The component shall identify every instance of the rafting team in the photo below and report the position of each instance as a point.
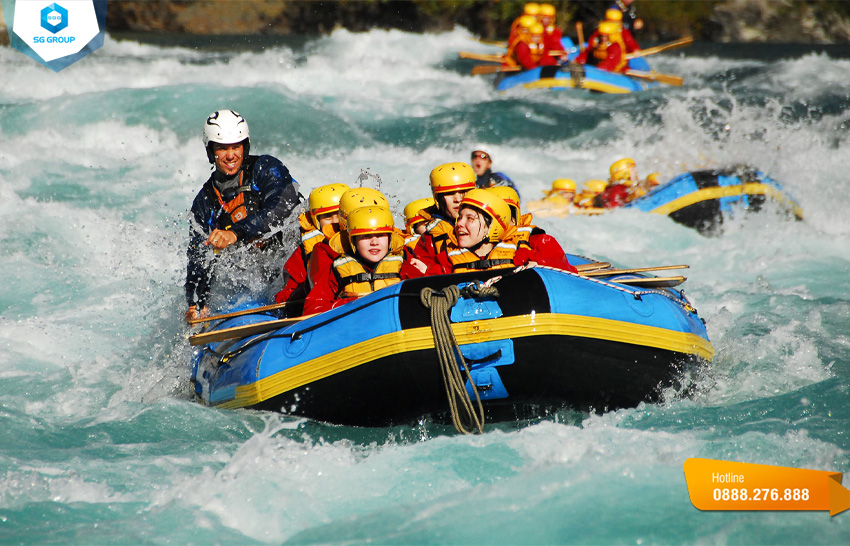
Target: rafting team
(534, 39)
(349, 243)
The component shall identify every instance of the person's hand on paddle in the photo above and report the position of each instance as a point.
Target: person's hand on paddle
(193, 313)
(221, 239)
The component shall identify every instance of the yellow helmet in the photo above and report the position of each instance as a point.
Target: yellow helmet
(531, 8)
(595, 185)
(509, 196)
(372, 220)
(493, 206)
(411, 211)
(622, 169)
(613, 14)
(451, 178)
(325, 200)
(547, 10)
(536, 30)
(563, 184)
(359, 197)
(526, 21)
(609, 27)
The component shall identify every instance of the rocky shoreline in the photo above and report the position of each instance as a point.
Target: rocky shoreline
(720, 21)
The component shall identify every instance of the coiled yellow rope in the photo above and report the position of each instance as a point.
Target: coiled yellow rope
(448, 352)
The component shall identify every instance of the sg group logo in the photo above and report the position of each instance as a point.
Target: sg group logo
(56, 34)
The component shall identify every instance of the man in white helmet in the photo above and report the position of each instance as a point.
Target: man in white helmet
(244, 200)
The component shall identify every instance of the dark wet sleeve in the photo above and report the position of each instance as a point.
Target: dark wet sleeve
(279, 198)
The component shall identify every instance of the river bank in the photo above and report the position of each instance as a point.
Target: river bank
(714, 21)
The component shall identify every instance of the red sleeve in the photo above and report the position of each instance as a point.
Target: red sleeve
(325, 286)
(549, 254)
(615, 196)
(523, 56)
(629, 40)
(582, 57)
(410, 271)
(425, 250)
(615, 55)
(548, 60)
(553, 41)
(296, 271)
(443, 265)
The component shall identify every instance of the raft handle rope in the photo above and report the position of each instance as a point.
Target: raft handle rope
(440, 302)
(669, 293)
(351, 309)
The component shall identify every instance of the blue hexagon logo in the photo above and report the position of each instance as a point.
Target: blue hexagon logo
(54, 18)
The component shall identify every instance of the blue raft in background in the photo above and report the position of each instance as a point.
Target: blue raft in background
(578, 76)
(702, 199)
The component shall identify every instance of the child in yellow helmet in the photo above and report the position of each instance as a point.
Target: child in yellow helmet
(318, 223)
(367, 256)
(484, 238)
(415, 223)
(449, 183)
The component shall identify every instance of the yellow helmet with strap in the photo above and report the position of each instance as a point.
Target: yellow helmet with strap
(562, 184)
(493, 206)
(547, 10)
(411, 211)
(622, 169)
(373, 220)
(359, 197)
(325, 200)
(452, 177)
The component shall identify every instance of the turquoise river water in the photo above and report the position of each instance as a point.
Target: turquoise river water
(102, 443)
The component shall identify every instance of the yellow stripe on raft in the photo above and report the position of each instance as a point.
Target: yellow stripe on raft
(549, 83)
(749, 188)
(468, 332)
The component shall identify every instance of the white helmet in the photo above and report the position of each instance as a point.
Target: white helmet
(225, 127)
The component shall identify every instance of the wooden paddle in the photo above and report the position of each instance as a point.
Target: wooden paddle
(653, 282)
(580, 35)
(656, 77)
(608, 272)
(244, 331)
(592, 266)
(487, 57)
(251, 311)
(492, 69)
(687, 40)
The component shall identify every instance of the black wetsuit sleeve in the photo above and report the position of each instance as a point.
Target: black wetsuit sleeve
(278, 194)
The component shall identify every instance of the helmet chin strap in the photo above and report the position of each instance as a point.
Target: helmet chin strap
(474, 248)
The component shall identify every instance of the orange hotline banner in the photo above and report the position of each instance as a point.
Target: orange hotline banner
(728, 485)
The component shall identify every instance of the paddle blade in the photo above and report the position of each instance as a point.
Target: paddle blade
(488, 69)
(656, 77)
(682, 42)
(486, 57)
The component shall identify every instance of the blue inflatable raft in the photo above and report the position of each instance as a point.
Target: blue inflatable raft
(702, 199)
(548, 340)
(578, 76)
